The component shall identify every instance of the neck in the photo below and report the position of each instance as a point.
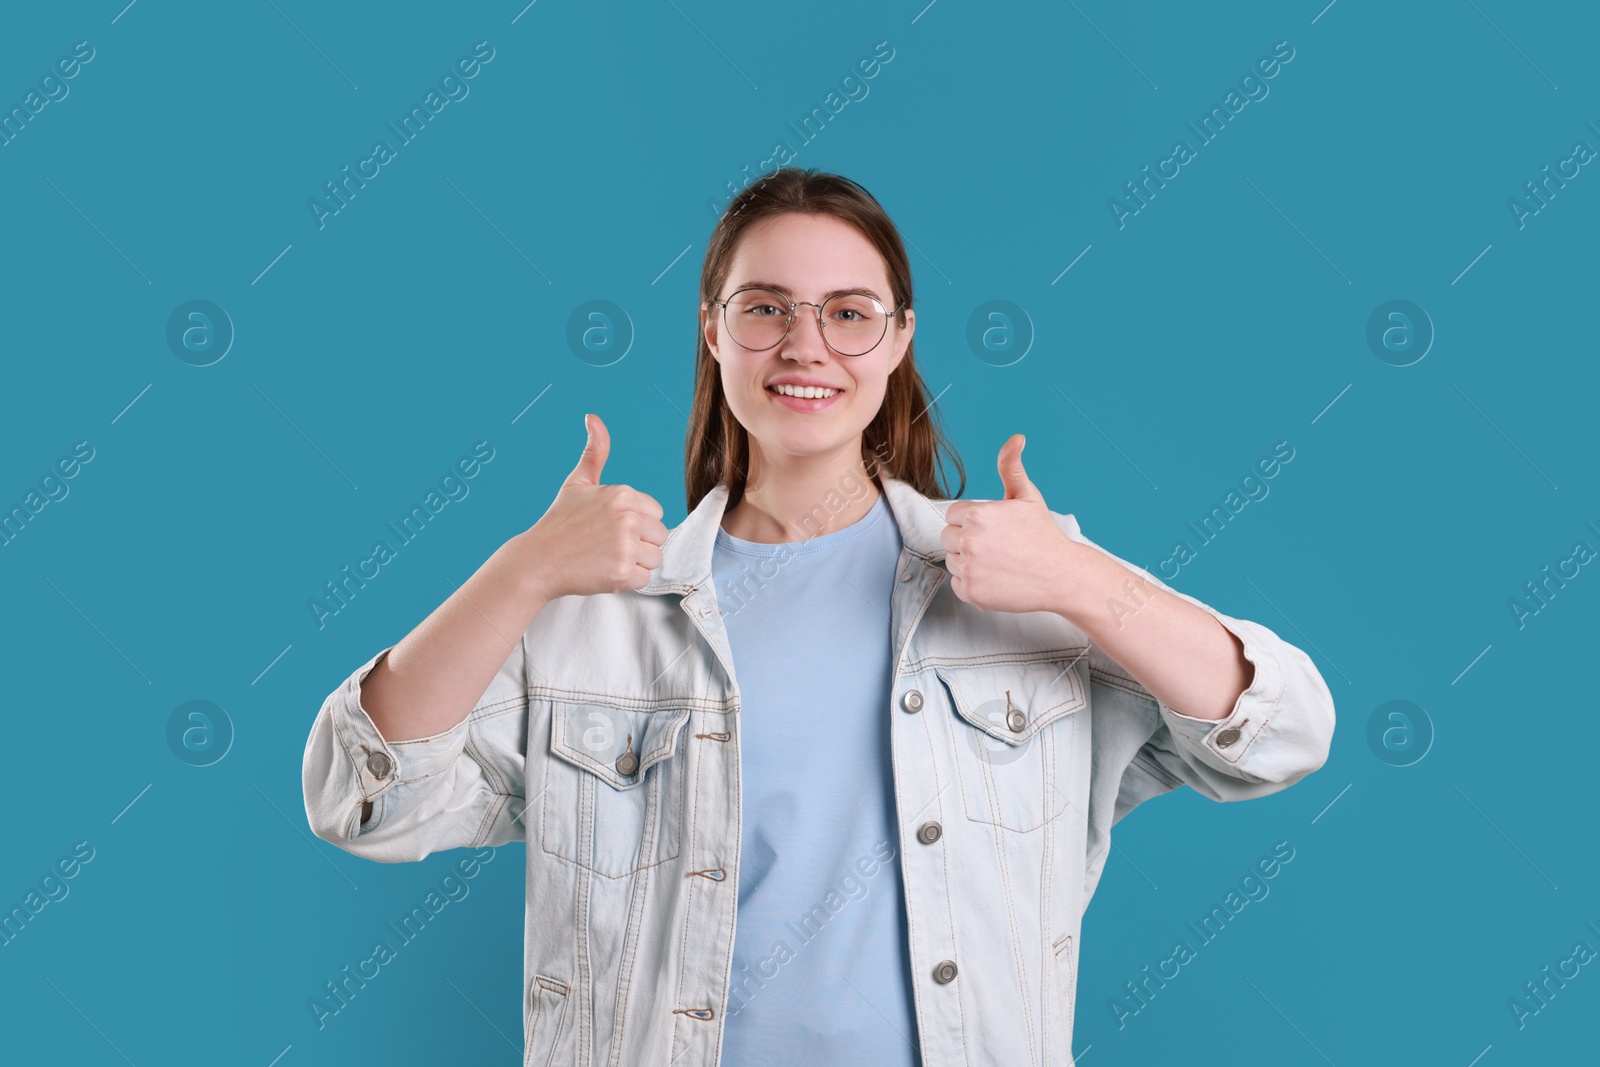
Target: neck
(802, 498)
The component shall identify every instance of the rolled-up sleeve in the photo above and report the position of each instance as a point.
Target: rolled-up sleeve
(463, 788)
(1278, 731)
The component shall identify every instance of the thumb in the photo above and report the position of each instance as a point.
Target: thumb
(1012, 476)
(595, 450)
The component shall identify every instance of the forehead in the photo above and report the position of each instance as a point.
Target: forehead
(808, 254)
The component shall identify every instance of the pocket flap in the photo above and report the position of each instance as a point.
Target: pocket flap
(594, 734)
(986, 695)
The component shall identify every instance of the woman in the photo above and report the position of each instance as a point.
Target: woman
(890, 818)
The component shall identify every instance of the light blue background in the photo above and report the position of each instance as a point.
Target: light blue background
(1228, 315)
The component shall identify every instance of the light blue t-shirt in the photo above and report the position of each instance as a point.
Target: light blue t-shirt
(821, 975)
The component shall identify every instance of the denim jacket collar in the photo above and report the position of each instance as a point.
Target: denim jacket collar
(686, 555)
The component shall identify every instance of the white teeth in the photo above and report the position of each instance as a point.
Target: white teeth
(806, 392)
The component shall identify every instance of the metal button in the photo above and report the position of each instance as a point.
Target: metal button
(1016, 720)
(912, 701)
(379, 764)
(1228, 737)
(627, 763)
(929, 832)
(906, 577)
(945, 972)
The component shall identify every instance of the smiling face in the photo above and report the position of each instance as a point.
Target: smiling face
(807, 257)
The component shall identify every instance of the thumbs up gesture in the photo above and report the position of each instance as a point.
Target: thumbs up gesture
(1007, 554)
(593, 538)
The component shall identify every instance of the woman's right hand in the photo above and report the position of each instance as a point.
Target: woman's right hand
(593, 538)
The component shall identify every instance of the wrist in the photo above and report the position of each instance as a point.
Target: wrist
(518, 567)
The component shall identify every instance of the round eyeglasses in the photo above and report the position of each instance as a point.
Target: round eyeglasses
(852, 324)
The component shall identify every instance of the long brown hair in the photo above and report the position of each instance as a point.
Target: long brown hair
(903, 438)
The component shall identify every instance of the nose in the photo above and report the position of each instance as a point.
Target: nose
(804, 340)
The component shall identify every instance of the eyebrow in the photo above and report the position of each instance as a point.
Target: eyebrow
(786, 291)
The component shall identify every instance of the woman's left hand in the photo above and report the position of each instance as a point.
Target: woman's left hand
(1008, 554)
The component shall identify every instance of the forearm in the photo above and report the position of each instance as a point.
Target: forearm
(1180, 653)
(429, 682)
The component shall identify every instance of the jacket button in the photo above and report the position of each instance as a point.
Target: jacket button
(1228, 737)
(379, 764)
(627, 763)
(945, 972)
(906, 577)
(912, 701)
(1016, 719)
(929, 832)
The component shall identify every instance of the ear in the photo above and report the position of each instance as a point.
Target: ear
(709, 321)
(903, 339)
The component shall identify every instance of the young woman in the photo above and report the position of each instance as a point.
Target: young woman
(827, 773)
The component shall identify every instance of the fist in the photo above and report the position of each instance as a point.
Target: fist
(1008, 554)
(594, 538)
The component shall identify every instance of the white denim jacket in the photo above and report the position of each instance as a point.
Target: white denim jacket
(609, 743)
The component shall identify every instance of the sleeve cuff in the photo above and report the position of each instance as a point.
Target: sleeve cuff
(379, 765)
(1230, 738)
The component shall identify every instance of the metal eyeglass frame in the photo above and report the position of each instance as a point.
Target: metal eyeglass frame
(794, 305)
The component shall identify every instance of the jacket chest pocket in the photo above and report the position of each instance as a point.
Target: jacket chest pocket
(1013, 736)
(614, 785)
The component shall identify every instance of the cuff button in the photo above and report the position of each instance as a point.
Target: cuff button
(1227, 737)
(379, 765)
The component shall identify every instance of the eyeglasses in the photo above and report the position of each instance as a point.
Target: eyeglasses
(852, 324)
